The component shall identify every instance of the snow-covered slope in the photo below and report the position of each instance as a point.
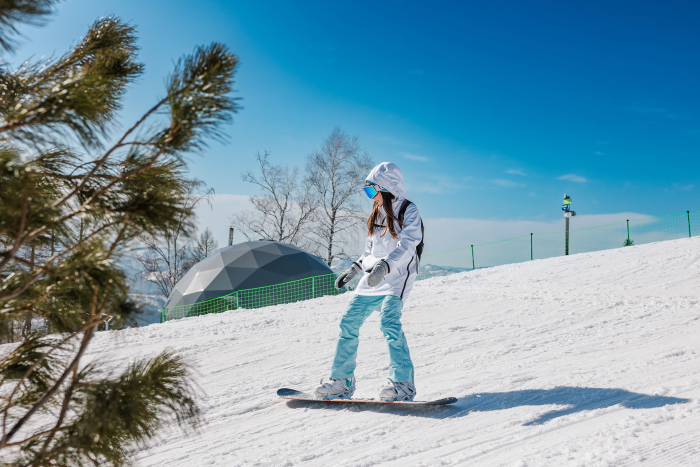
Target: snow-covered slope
(591, 359)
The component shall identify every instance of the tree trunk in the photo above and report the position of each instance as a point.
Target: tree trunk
(330, 240)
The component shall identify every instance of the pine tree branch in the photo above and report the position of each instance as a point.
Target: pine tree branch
(87, 337)
(32, 438)
(16, 126)
(64, 409)
(42, 269)
(20, 11)
(19, 242)
(31, 369)
(133, 172)
(100, 162)
(120, 236)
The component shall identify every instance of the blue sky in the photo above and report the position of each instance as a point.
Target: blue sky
(492, 109)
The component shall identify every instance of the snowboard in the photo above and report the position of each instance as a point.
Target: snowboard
(293, 394)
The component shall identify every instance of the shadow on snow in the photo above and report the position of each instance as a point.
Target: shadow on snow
(574, 398)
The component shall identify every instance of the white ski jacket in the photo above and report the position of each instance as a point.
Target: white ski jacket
(399, 253)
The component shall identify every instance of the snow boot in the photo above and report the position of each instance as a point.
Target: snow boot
(336, 389)
(398, 391)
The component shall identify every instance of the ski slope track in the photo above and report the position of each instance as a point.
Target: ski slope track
(586, 360)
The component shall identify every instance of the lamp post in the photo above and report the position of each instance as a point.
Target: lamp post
(568, 213)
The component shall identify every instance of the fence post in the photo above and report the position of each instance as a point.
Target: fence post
(162, 315)
(531, 255)
(313, 287)
(473, 264)
(628, 232)
(688, 213)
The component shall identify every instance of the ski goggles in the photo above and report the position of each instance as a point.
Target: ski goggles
(372, 190)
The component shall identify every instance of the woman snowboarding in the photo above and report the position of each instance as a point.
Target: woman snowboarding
(390, 261)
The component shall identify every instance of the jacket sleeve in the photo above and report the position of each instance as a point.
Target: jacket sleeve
(368, 250)
(409, 238)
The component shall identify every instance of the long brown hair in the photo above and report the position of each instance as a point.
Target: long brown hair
(392, 220)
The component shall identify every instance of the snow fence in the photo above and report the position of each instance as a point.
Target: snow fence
(286, 292)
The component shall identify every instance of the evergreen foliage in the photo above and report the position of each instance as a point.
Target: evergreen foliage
(13, 12)
(73, 195)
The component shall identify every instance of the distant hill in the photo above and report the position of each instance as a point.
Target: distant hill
(151, 306)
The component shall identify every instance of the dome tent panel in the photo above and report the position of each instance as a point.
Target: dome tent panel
(215, 262)
(246, 260)
(245, 278)
(195, 284)
(238, 276)
(186, 280)
(263, 278)
(217, 282)
(227, 256)
(264, 257)
(272, 247)
(211, 278)
(296, 263)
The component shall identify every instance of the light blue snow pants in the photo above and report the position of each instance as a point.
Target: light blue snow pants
(358, 310)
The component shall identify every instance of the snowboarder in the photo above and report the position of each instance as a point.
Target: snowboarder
(391, 259)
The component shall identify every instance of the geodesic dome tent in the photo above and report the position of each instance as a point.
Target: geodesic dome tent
(249, 275)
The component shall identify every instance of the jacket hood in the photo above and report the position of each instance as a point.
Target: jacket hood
(389, 176)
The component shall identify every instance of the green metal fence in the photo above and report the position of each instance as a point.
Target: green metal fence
(550, 244)
(287, 292)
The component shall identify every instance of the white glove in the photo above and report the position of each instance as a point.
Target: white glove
(379, 270)
(347, 276)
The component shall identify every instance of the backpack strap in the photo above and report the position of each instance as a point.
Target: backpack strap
(402, 212)
(402, 209)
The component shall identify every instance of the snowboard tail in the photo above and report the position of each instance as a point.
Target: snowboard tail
(293, 394)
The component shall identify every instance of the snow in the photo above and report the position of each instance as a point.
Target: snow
(586, 360)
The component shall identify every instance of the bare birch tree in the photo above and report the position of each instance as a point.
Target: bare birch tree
(336, 171)
(168, 255)
(206, 244)
(284, 210)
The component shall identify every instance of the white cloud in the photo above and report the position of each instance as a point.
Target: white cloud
(508, 183)
(216, 216)
(515, 172)
(414, 157)
(390, 140)
(437, 184)
(688, 187)
(573, 178)
(649, 110)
